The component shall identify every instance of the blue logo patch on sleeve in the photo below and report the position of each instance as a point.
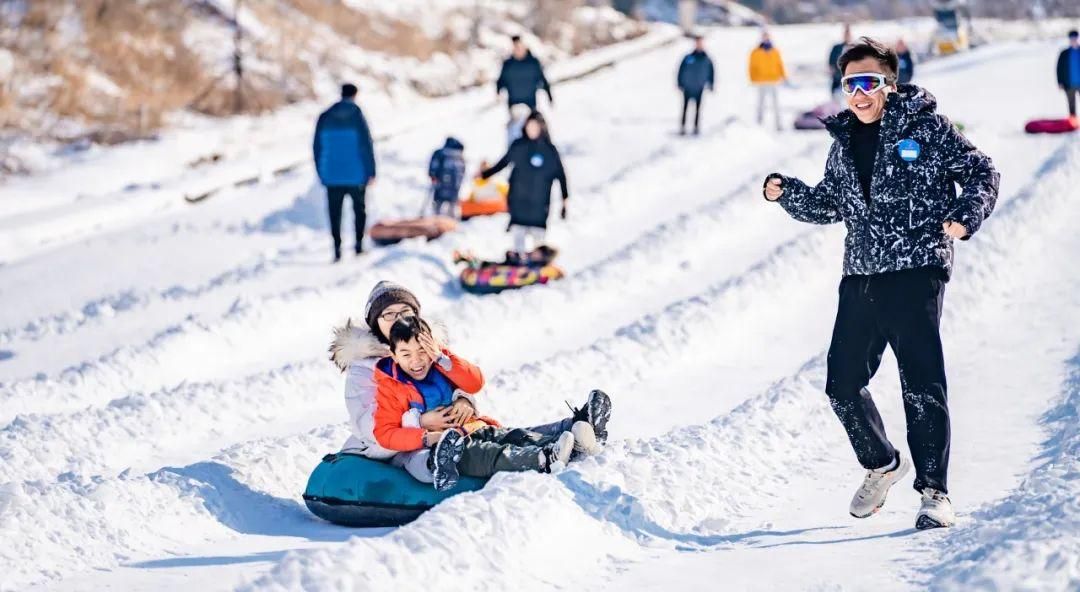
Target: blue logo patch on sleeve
(536, 160)
(909, 150)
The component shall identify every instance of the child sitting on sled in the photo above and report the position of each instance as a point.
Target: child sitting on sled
(420, 405)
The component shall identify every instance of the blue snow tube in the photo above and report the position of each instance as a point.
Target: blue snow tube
(353, 490)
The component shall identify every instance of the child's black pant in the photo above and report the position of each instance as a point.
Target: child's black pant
(900, 309)
(491, 449)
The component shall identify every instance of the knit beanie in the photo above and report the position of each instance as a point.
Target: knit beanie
(383, 295)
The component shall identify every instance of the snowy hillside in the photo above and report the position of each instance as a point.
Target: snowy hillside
(81, 75)
(164, 388)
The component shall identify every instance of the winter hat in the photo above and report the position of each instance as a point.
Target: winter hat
(384, 294)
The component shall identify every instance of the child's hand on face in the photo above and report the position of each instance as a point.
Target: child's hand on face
(431, 347)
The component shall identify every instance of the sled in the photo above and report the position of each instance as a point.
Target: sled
(429, 227)
(472, 208)
(487, 197)
(492, 277)
(1051, 126)
(353, 490)
(813, 119)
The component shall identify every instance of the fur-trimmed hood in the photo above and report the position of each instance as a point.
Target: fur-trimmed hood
(353, 343)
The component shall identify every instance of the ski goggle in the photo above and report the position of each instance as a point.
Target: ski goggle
(868, 83)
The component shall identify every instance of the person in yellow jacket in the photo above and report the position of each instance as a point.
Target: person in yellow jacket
(766, 73)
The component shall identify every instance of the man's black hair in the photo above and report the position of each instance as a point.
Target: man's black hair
(348, 90)
(407, 329)
(866, 47)
(1074, 33)
(515, 38)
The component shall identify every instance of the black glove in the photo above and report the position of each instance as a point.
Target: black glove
(563, 214)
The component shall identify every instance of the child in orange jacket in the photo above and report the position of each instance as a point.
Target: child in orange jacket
(418, 406)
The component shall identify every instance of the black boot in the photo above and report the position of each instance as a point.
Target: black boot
(597, 412)
(446, 456)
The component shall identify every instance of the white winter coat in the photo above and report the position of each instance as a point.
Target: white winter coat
(355, 351)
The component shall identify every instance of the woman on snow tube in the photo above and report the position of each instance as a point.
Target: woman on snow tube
(355, 350)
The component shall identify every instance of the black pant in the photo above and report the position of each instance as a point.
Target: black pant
(530, 103)
(686, 99)
(1070, 96)
(335, 197)
(901, 309)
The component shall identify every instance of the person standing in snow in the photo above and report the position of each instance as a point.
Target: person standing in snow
(1068, 71)
(695, 75)
(345, 162)
(356, 349)
(834, 68)
(906, 61)
(522, 77)
(891, 177)
(767, 73)
(447, 171)
(537, 166)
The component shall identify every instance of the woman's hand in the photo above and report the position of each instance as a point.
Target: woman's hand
(461, 411)
(437, 419)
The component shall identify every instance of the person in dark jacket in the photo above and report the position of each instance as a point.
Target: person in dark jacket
(345, 162)
(447, 171)
(521, 77)
(905, 63)
(891, 177)
(537, 166)
(695, 75)
(834, 68)
(1068, 71)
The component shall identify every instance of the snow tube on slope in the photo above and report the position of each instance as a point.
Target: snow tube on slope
(472, 208)
(811, 120)
(353, 490)
(488, 196)
(430, 227)
(1051, 126)
(493, 278)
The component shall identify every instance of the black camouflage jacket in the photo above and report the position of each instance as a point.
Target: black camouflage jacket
(921, 158)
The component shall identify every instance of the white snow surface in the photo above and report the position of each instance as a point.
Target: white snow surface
(165, 392)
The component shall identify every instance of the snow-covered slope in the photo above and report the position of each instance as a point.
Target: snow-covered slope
(164, 391)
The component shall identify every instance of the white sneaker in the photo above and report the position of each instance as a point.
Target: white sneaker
(555, 456)
(585, 439)
(936, 511)
(875, 486)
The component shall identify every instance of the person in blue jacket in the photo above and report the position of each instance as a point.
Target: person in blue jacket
(695, 75)
(906, 63)
(345, 162)
(447, 171)
(834, 70)
(521, 77)
(1068, 71)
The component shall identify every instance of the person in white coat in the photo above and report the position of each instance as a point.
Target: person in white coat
(355, 350)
